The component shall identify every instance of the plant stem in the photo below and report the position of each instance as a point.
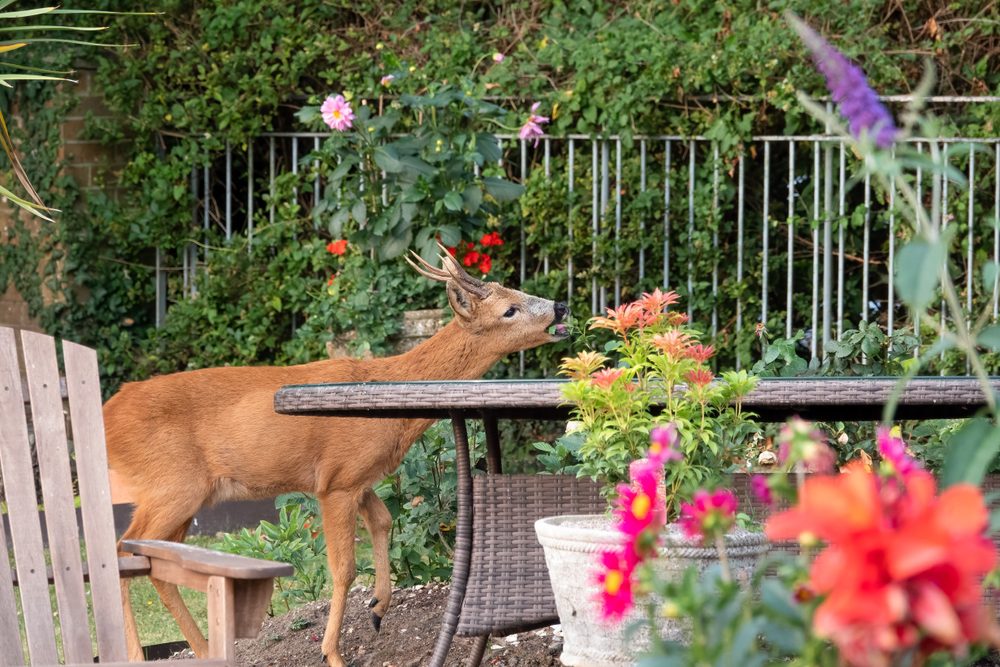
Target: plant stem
(720, 548)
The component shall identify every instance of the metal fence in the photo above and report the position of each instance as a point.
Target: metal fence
(800, 238)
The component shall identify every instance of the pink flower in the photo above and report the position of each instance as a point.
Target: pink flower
(893, 450)
(663, 445)
(498, 57)
(636, 504)
(708, 514)
(532, 127)
(615, 580)
(761, 489)
(386, 80)
(337, 113)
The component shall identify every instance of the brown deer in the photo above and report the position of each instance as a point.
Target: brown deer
(181, 441)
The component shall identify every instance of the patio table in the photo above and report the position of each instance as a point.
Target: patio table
(490, 400)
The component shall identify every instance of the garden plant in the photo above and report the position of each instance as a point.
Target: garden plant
(890, 571)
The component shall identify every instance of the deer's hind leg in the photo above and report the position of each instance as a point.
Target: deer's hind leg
(378, 521)
(340, 510)
(158, 522)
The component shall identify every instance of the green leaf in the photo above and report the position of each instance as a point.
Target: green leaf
(488, 146)
(450, 235)
(990, 276)
(472, 198)
(990, 337)
(918, 269)
(360, 212)
(970, 452)
(417, 166)
(453, 201)
(501, 189)
(388, 160)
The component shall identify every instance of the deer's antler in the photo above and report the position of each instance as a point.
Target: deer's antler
(470, 284)
(452, 271)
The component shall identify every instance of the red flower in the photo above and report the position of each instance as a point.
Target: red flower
(700, 353)
(708, 514)
(700, 377)
(491, 239)
(452, 251)
(485, 263)
(621, 319)
(330, 281)
(470, 258)
(903, 567)
(338, 247)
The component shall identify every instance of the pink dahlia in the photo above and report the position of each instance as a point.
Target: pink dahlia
(337, 113)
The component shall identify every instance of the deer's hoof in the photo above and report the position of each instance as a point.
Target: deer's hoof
(376, 621)
(372, 602)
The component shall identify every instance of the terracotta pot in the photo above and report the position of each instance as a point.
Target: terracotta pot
(572, 544)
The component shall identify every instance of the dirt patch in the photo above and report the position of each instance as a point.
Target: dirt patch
(406, 639)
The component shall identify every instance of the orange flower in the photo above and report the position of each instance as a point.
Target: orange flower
(674, 344)
(903, 567)
(606, 377)
(656, 302)
(338, 247)
(621, 319)
(582, 365)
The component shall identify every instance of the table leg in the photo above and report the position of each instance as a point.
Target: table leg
(492, 444)
(478, 650)
(463, 544)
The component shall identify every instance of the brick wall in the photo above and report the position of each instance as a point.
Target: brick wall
(91, 165)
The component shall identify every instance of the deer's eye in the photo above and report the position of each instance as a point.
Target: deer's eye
(511, 311)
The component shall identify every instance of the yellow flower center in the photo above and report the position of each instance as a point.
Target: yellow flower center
(337, 115)
(641, 505)
(613, 581)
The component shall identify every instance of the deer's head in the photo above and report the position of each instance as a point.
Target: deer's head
(506, 319)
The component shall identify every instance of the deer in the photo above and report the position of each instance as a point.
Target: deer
(181, 441)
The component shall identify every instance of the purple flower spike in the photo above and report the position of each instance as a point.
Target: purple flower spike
(849, 88)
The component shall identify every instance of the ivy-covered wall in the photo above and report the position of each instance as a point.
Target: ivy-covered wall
(202, 75)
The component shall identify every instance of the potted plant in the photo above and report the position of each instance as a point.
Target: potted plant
(660, 395)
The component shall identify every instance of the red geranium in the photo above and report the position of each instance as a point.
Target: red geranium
(338, 247)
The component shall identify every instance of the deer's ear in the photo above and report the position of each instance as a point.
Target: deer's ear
(463, 303)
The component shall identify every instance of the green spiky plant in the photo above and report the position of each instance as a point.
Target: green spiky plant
(23, 35)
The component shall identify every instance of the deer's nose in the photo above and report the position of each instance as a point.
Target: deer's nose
(561, 311)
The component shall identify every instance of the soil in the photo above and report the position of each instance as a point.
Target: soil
(406, 639)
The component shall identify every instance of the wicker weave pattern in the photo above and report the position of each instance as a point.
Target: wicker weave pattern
(773, 398)
(508, 589)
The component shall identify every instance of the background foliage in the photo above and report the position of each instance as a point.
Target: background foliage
(204, 76)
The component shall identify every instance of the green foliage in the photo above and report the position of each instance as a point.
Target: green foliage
(437, 181)
(421, 496)
(297, 540)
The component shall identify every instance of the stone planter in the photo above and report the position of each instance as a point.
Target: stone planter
(572, 543)
(417, 326)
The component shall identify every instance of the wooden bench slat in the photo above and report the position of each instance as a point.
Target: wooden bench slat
(22, 508)
(49, 422)
(11, 650)
(83, 387)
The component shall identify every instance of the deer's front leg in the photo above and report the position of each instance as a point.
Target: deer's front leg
(378, 521)
(339, 510)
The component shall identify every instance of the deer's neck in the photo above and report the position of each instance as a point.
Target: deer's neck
(451, 354)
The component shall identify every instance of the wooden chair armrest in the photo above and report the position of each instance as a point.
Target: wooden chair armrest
(206, 561)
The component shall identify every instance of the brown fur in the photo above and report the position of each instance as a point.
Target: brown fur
(182, 441)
